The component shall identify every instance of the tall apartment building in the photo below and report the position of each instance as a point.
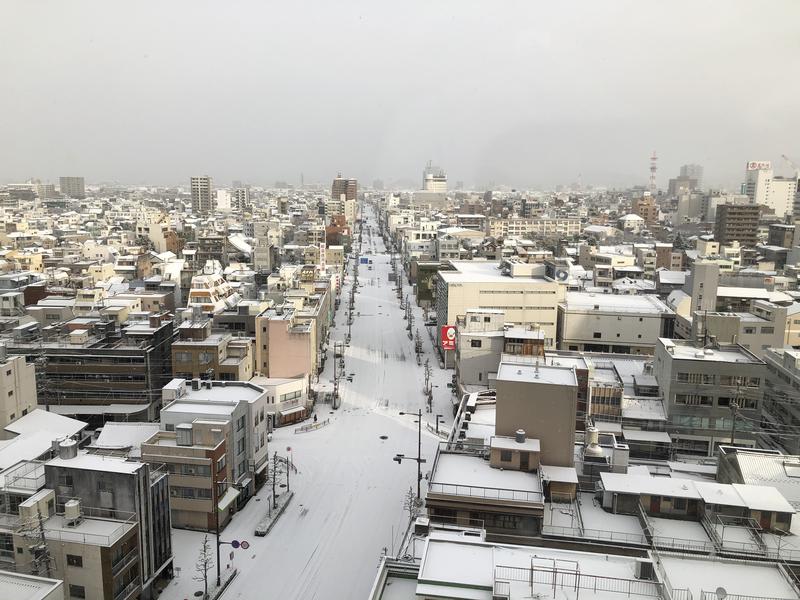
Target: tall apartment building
(646, 208)
(763, 188)
(522, 227)
(95, 557)
(203, 199)
(693, 171)
(197, 457)
(200, 354)
(737, 222)
(700, 385)
(72, 187)
(96, 371)
(344, 187)
(286, 345)
(110, 487)
(240, 199)
(434, 179)
(243, 405)
(17, 388)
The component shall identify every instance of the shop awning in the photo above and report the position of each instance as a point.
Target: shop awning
(244, 483)
(229, 496)
(292, 411)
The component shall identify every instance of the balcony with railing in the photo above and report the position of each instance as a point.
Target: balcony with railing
(128, 590)
(123, 562)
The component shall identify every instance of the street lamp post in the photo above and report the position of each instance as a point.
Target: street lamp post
(215, 497)
(401, 457)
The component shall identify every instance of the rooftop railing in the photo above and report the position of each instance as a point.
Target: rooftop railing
(539, 578)
(486, 493)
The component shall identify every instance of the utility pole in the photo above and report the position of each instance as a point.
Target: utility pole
(419, 460)
(274, 477)
(734, 413)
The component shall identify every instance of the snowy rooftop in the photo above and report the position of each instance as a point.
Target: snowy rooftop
(97, 462)
(26, 446)
(42, 420)
(16, 586)
(649, 409)
(223, 391)
(474, 271)
(686, 350)
(764, 498)
(465, 569)
(502, 442)
(757, 580)
(125, 435)
(616, 303)
(470, 470)
(200, 409)
(509, 371)
(98, 532)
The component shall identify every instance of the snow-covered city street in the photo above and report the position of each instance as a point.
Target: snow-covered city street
(348, 503)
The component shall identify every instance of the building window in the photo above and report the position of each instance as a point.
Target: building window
(475, 343)
(183, 357)
(767, 330)
(221, 464)
(73, 560)
(597, 335)
(750, 330)
(77, 591)
(505, 455)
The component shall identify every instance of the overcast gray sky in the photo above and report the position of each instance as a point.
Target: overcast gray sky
(524, 93)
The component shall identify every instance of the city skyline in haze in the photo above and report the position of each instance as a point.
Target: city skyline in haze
(520, 94)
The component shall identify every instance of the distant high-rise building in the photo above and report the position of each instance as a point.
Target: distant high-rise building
(693, 172)
(203, 198)
(346, 187)
(762, 187)
(646, 208)
(45, 190)
(434, 179)
(737, 222)
(240, 198)
(72, 187)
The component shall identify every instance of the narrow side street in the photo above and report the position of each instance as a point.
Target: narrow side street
(348, 502)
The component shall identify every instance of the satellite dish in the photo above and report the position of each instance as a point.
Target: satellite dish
(721, 593)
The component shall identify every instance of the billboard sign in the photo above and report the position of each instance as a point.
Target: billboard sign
(758, 165)
(448, 337)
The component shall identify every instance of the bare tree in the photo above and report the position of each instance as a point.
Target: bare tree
(411, 504)
(205, 562)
